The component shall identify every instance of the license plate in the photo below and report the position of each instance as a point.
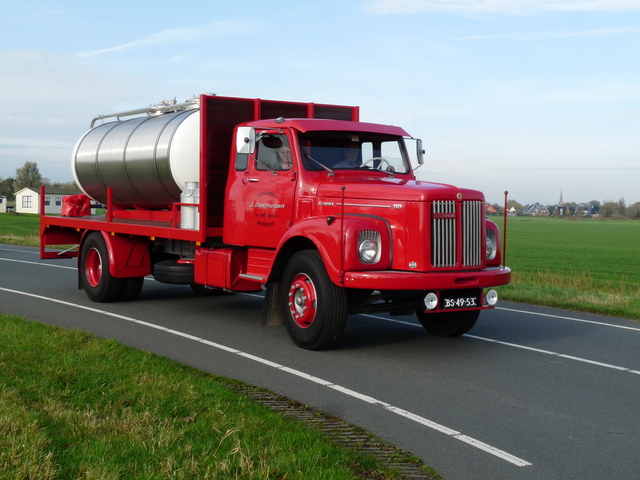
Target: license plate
(460, 302)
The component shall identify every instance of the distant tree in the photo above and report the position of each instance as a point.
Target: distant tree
(28, 176)
(609, 209)
(514, 204)
(595, 203)
(622, 207)
(6, 188)
(633, 211)
(71, 186)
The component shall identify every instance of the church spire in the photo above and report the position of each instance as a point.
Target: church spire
(561, 202)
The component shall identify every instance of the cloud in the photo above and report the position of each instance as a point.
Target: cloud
(509, 7)
(579, 33)
(185, 35)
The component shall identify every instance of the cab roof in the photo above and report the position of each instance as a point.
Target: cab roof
(315, 124)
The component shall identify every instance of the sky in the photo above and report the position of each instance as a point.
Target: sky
(537, 97)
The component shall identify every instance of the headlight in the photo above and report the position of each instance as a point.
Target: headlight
(491, 297)
(431, 301)
(491, 245)
(369, 248)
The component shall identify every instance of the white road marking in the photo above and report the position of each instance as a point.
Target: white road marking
(37, 263)
(569, 318)
(561, 355)
(524, 347)
(36, 252)
(390, 408)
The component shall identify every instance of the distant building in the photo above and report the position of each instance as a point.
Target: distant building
(3, 204)
(28, 200)
(535, 210)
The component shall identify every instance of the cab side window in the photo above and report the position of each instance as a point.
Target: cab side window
(273, 153)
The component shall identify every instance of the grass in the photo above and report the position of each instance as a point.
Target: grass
(588, 264)
(74, 406)
(20, 229)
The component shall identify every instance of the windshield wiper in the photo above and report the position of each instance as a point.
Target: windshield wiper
(308, 157)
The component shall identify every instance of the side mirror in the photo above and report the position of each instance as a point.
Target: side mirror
(245, 140)
(419, 151)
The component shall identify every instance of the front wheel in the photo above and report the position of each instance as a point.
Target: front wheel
(315, 308)
(98, 282)
(448, 324)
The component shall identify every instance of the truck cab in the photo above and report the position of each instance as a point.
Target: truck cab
(346, 192)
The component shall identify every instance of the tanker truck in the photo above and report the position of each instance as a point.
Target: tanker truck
(302, 201)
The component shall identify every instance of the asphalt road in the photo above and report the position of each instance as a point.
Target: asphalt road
(530, 393)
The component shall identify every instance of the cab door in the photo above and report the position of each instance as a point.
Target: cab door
(265, 192)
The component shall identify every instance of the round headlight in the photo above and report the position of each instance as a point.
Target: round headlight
(431, 301)
(491, 297)
(490, 245)
(368, 251)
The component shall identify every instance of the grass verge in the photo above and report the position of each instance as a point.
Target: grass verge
(20, 229)
(74, 406)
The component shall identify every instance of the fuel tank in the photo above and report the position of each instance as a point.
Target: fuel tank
(145, 160)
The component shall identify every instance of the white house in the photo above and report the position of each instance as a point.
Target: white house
(3, 204)
(28, 200)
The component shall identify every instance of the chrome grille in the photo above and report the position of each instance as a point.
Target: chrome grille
(444, 245)
(472, 234)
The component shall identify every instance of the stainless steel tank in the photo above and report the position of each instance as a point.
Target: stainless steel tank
(145, 160)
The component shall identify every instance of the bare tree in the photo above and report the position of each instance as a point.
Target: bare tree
(622, 207)
(609, 209)
(633, 211)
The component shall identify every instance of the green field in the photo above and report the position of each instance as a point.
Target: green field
(587, 264)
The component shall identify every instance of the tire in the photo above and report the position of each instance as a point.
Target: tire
(131, 288)
(97, 282)
(448, 324)
(170, 271)
(315, 309)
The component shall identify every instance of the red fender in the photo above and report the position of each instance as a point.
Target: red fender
(337, 241)
(128, 255)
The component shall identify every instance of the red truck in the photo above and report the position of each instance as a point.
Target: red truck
(303, 201)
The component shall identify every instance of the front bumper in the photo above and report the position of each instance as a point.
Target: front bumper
(402, 280)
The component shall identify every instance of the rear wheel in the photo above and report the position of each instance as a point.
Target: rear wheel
(131, 288)
(315, 309)
(448, 324)
(98, 283)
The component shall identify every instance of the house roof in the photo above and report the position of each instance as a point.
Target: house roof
(49, 191)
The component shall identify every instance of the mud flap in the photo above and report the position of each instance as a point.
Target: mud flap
(272, 312)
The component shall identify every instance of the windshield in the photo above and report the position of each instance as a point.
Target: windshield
(353, 150)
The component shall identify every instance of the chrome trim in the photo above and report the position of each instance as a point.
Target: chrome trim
(443, 236)
(445, 218)
(472, 241)
(363, 205)
(375, 237)
(251, 277)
